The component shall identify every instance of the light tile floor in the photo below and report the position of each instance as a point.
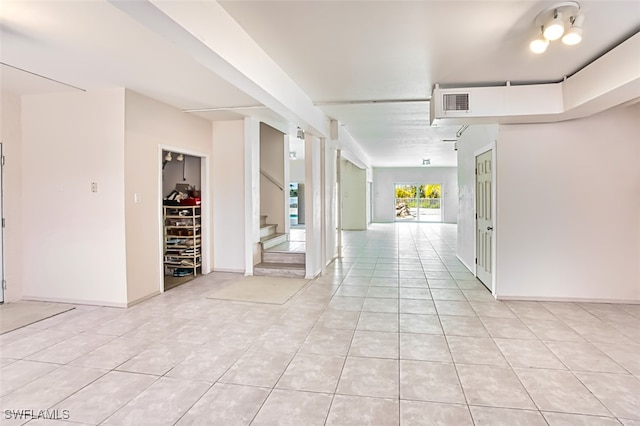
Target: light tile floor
(397, 332)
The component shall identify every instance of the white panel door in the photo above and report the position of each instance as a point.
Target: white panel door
(484, 219)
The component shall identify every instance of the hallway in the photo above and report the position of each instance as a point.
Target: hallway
(397, 332)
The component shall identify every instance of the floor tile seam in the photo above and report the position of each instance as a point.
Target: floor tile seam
(582, 414)
(2, 396)
(572, 373)
(87, 385)
(464, 394)
(359, 395)
(276, 382)
(116, 368)
(298, 351)
(194, 403)
(44, 348)
(545, 344)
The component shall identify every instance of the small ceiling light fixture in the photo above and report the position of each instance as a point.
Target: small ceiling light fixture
(180, 157)
(168, 157)
(574, 35)
(539, 45)
(554, 29)
(552, 22)
(426, 162)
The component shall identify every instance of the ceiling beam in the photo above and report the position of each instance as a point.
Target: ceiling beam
(214, 39)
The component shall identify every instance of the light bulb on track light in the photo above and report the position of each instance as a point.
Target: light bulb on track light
(539, 45)
(554, 29)
(574, 35)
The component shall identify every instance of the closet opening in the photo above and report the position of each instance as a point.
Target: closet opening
(182, 218)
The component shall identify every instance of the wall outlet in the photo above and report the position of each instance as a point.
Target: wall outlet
(94, 186)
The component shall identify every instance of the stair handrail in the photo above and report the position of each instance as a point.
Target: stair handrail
(272, 179)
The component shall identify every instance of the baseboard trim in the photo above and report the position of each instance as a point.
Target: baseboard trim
(235, 271)
(75, 301)
(567, 299)
(142, 299)
(465, 264)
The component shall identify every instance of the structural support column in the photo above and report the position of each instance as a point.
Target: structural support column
(339, 199)
(313, 206)
(251, 193)
(323, 206)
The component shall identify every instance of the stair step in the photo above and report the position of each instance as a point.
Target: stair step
(263, 219)
(294, 257)
(279, 270)
(273, 240)
(267, 229)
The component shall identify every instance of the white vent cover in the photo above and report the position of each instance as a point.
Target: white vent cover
(455, 101)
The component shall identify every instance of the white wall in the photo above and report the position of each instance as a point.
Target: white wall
(384, 179)
(296, 171)
(228, 196)
(568, 217)
(354, 199)
(173, 173)
(474, 138)
(11, 138)
(313, 216)
(150, 126)
(272, 159)
(74, 239)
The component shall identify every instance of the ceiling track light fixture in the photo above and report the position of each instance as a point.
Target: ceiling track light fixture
(553, 23)
(169, 157)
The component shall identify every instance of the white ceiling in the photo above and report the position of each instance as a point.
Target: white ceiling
(369, 64)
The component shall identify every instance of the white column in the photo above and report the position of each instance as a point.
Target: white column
(313, 206)
(251, 193)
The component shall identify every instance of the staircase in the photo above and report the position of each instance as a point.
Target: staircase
(277, 260)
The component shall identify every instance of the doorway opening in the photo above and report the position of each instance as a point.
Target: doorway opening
(182, 218)
(297, 195)
(415, 202)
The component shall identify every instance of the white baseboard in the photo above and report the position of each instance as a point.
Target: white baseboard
(567, 299)
(235, 271)
(466, 266)
(143, 298)
(75, 301)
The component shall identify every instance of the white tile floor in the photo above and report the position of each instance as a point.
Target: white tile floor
(398, 332)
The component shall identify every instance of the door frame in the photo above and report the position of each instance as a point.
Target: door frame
(417, 185)
(205, 209)
(494, 211)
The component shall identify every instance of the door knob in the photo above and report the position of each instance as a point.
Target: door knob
(489, 228)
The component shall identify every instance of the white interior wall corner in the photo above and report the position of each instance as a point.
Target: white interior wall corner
(11, 138)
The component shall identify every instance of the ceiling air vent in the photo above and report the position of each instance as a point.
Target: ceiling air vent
(455, 102)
